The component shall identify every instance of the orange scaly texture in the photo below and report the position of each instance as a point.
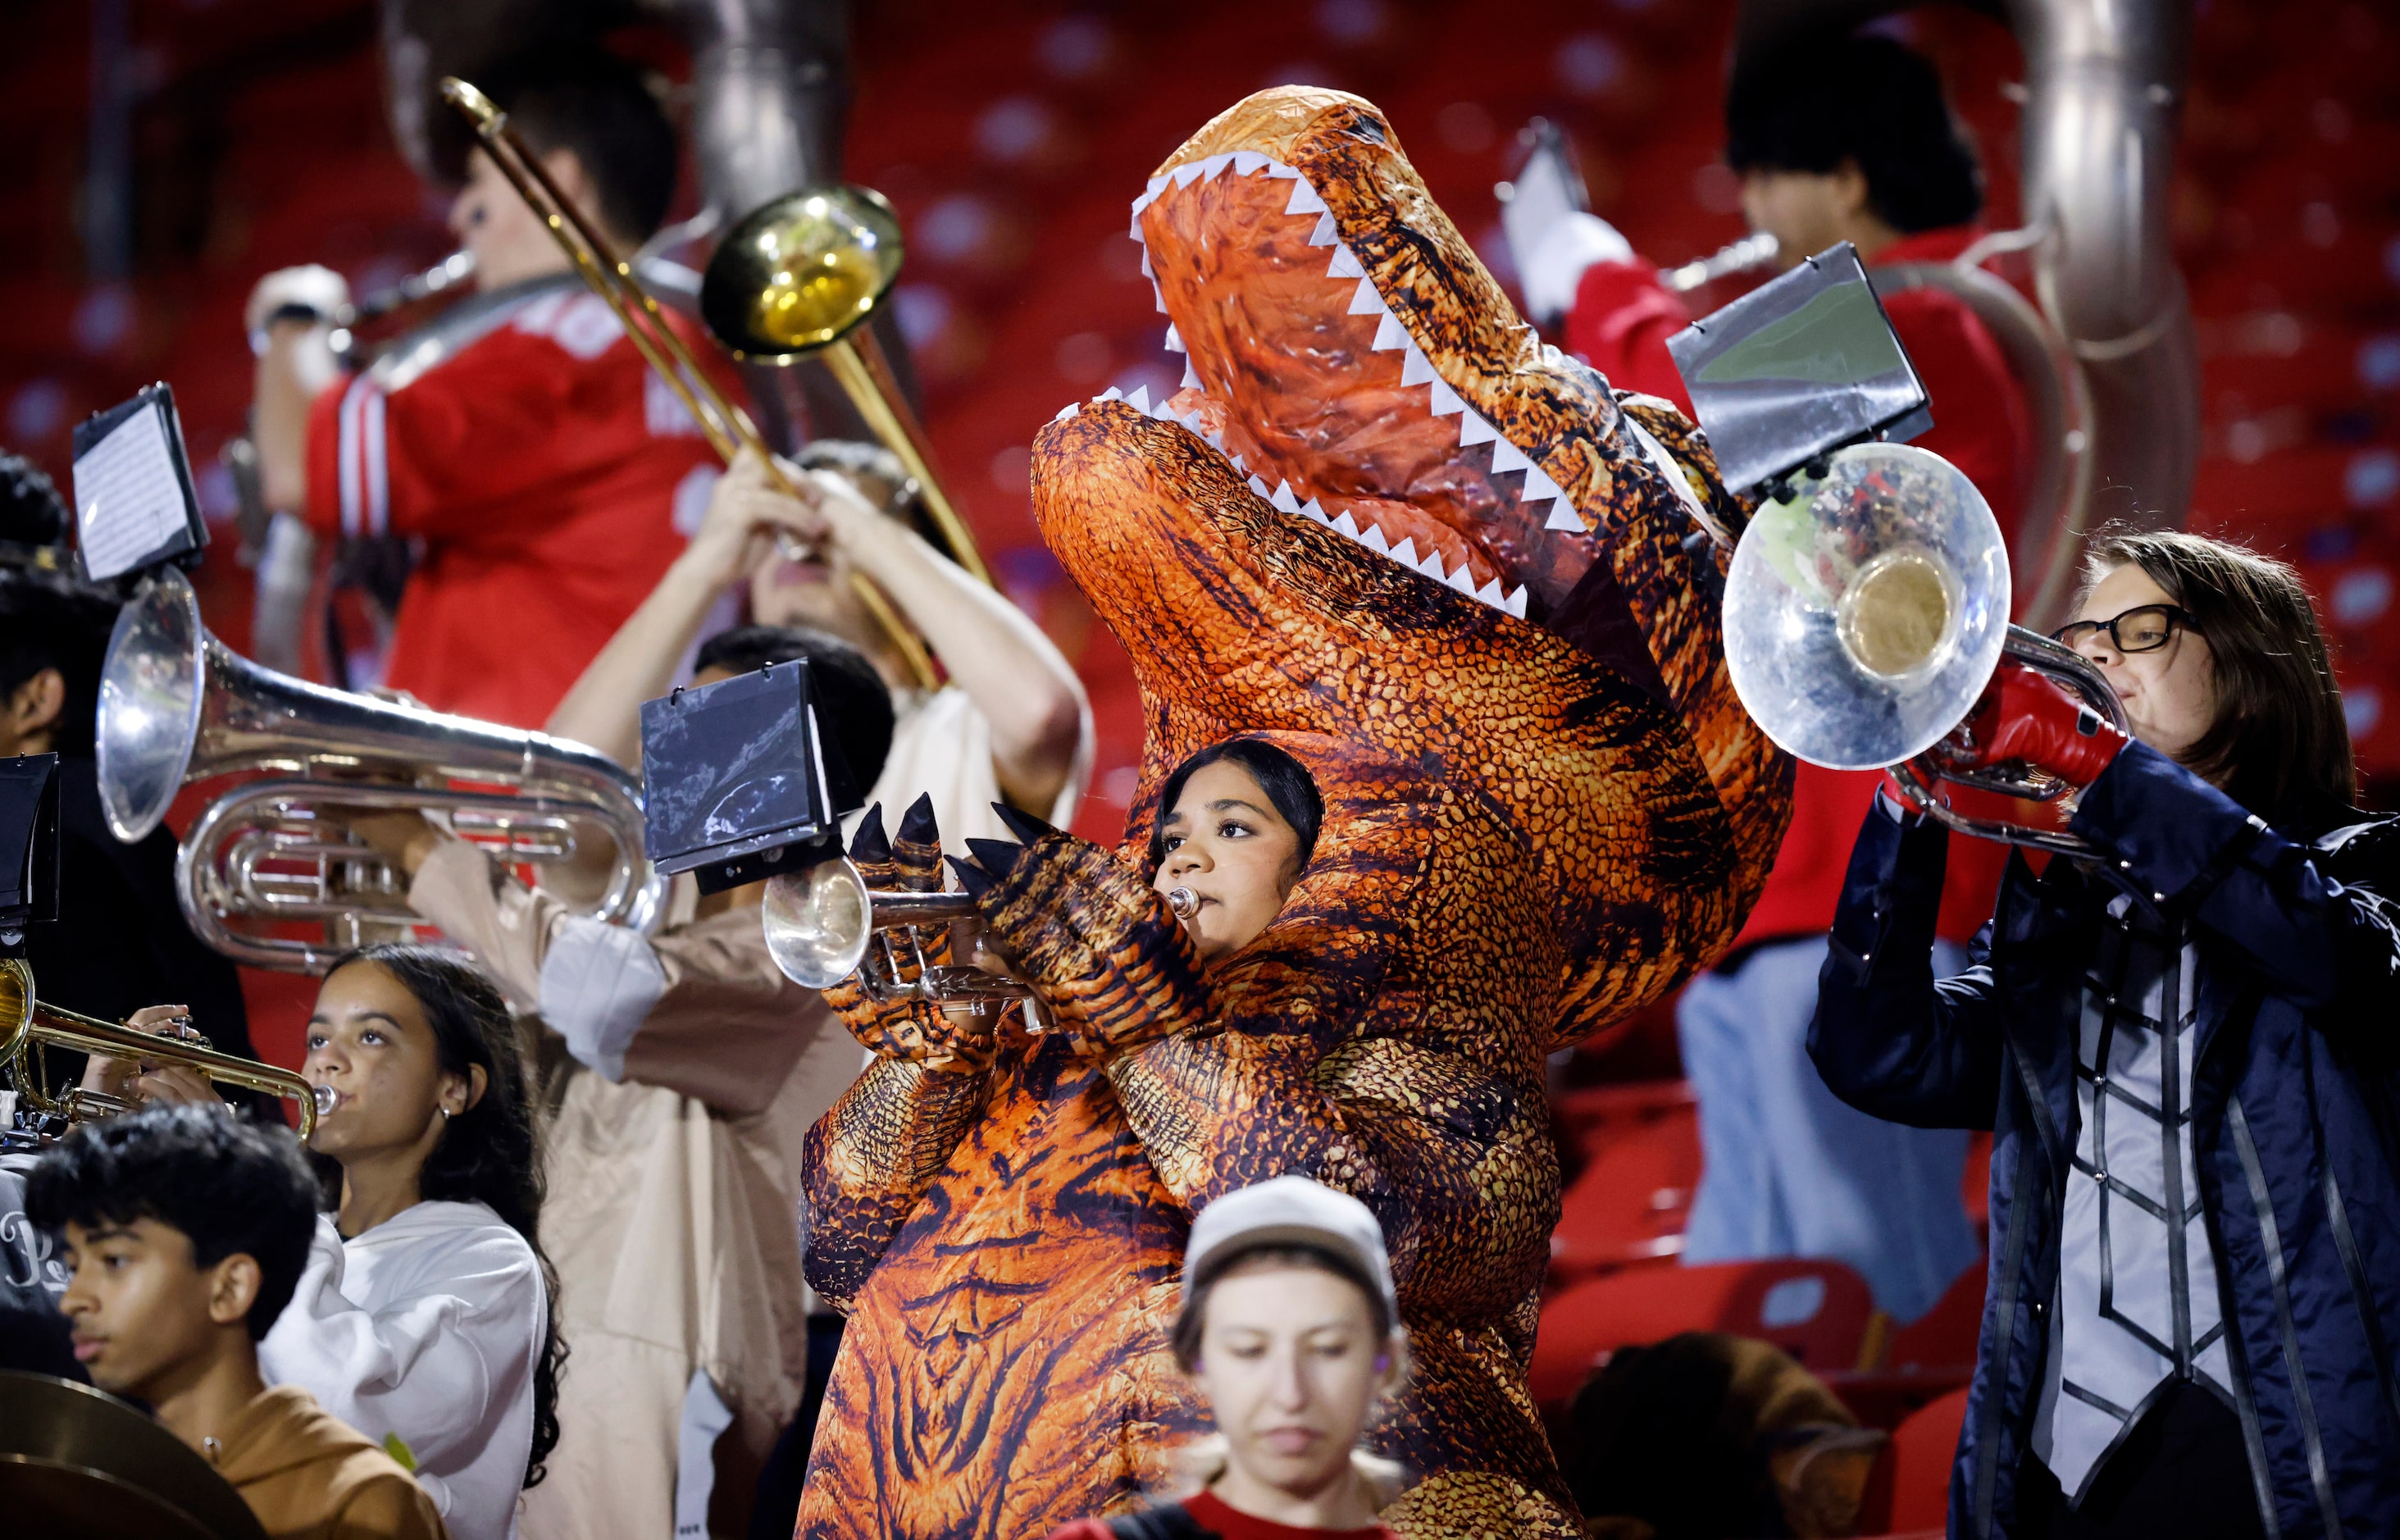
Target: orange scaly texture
(1532, 826)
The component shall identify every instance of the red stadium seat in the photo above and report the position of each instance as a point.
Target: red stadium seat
(1642, 1148)
(1813, 1309)
(1909, 1495)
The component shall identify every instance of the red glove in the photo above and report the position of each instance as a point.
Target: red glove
(2025, 718)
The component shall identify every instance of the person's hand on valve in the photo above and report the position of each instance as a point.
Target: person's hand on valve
(2025, 718)
(140, 1081)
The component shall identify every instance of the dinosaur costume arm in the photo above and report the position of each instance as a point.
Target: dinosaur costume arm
(1434, 1146)
(871, 1158)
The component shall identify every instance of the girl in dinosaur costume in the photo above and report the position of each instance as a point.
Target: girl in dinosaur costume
(1445, 570)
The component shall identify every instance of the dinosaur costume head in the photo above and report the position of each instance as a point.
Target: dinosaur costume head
(1382, 510)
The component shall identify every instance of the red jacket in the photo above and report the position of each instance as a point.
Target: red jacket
(551, 478)
(1620, 325)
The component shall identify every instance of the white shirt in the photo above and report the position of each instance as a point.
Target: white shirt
(426, 1326)
(2138, 1293)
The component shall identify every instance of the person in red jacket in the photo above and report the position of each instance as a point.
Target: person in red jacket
(1836, 139)
(544, 477)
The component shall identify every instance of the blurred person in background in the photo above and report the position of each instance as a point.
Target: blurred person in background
(544, 476)
(1010, 723)
(120, 941)
(1836, 138)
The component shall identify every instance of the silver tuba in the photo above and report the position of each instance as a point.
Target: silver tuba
(1864, 619)
(177, 706)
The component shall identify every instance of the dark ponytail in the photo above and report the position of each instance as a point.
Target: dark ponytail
(488, 1153)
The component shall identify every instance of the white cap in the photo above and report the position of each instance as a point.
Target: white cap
(1289, 1210)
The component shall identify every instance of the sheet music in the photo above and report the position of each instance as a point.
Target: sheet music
(129, 500)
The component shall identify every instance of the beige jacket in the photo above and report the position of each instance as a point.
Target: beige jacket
(674, 1168)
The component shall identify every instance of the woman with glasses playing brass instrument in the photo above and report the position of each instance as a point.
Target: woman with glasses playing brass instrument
(2187, 1047)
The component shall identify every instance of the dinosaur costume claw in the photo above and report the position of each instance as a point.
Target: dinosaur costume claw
(974, 878)
(996, 856)
(870, 847)
(1023, 825)
(1445, 568)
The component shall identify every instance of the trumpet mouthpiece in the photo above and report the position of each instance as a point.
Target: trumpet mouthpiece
(1183, 901)
(325, 1098)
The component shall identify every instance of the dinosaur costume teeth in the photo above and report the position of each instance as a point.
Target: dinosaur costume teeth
(1543, 809)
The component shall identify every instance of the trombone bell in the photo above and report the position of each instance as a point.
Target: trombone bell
(802, 273)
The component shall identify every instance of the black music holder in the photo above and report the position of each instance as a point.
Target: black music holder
(736, 774)
(29, 847)
(1802, 365)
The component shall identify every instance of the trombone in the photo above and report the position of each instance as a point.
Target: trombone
(799, 275)
(27, 1025)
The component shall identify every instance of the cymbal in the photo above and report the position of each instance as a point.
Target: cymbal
(78, 1460)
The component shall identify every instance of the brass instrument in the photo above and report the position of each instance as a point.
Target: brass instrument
(816, 263)
(1750, 254)
(1865, 616)
(78, 1461)
(26, 1024)
(420, 288)
(824, 925)
(176, 705)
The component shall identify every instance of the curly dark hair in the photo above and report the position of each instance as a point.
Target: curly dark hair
(230, 1185)
(489, 1153)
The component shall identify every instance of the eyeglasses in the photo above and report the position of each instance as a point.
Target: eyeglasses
(2144, 628)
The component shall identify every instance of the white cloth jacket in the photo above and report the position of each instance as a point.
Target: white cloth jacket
(428, 1327)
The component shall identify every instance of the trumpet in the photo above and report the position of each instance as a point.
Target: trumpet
(825, 924)
(1865, 616)
(26, 1024)
(176, 707)
(796, 276)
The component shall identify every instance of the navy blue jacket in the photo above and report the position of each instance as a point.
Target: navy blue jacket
(2296, 1106)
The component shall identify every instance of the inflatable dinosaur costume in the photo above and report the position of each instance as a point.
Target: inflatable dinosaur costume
(1384, 528)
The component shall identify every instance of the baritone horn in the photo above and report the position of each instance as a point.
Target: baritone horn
(27, 1025)
(1865, 616)
(796, 276)
(177, 706)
